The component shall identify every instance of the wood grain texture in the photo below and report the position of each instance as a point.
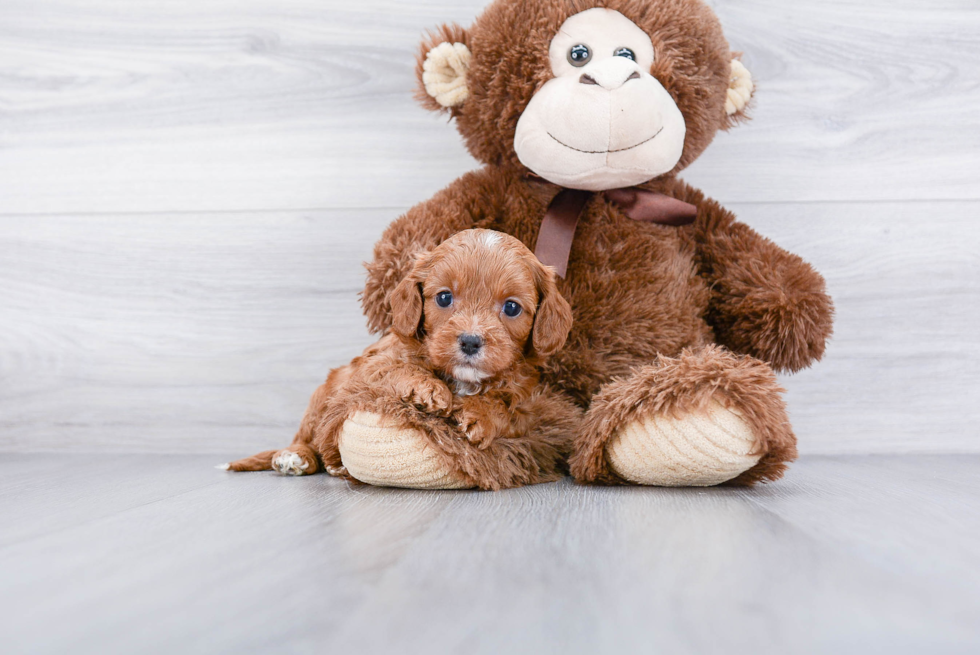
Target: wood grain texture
(848, 554)
(902, 371)
(164, 289)
(260, 105)
(207, 333)
(174, 332)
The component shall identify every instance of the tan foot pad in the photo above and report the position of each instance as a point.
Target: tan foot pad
(389, 455)
(698, 450)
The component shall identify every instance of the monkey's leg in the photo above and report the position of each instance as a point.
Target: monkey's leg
(705, 418)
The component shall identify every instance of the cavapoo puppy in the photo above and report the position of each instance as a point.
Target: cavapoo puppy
(458, 372)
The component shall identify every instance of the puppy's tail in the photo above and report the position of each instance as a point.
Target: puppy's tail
(259, 462)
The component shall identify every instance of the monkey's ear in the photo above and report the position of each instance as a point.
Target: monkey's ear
(441, 69)
(740, 88)
(406, 301)
(553, 320)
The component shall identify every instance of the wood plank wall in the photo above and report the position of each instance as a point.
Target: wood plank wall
(187, 190)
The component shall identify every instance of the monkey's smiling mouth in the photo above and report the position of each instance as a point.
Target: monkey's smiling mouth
(606, 152)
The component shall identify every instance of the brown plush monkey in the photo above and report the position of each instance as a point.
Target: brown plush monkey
(583, 113)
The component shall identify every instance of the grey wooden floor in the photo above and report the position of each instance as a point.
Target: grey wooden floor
(138, 553)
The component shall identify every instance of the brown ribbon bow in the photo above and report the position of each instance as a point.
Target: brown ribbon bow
(558, 226)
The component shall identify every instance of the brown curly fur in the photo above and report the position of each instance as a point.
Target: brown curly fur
(507, 430)
(641, 294)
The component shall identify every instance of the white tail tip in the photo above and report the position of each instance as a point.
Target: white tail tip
(223, 467)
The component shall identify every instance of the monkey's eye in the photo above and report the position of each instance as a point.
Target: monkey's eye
(512, 309)
(625, 52)
(579, 55)
(444, 298)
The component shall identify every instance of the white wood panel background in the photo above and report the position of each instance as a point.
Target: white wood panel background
(187, 190)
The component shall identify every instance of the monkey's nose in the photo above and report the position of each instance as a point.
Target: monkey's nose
(588, 79)
(610, 73)
(470, 344)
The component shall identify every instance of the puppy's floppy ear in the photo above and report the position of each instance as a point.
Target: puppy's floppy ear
(441, 69)
(406, 300)
(553, 320)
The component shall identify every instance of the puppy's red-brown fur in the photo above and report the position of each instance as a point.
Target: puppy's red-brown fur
(472, 323)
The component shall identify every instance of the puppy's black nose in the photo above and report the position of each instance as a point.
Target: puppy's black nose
(470, 344)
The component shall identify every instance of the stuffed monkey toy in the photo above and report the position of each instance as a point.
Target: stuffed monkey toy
(583, 113)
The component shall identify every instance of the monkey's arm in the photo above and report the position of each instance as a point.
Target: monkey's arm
(424, 226)
(765, 302)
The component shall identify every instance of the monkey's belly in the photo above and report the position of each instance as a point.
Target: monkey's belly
(626, 324)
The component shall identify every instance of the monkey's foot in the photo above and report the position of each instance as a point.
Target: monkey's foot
(698, 449)
(703, 418)
(381, 452)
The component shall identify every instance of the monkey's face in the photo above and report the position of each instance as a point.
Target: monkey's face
(603, 121)
(588, 97)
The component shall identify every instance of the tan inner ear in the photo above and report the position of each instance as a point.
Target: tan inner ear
(444, 73)
(740, 88)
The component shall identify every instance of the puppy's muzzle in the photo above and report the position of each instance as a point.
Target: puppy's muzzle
(470, 344)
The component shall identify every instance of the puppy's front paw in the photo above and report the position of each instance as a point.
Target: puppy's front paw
(477, 430)
(433, 396)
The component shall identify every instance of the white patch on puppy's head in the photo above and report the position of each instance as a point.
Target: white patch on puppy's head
(490, 238)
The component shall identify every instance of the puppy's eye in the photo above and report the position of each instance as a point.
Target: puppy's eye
(512, 309)
(444, 298)
(625, 52)
(579, 55)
